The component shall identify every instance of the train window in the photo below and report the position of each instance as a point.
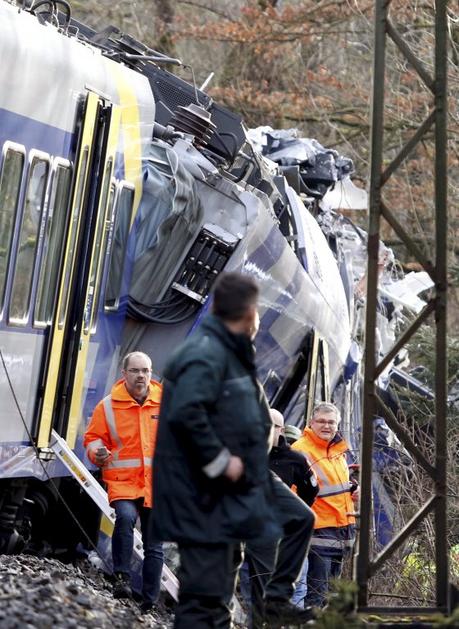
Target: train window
(103, 227)
(28, 238)
(320, 379)
(52, 242)
(313, 372)
(325, 370)
(10, 185)
(73, 233)
(122, 220)
(319, 388)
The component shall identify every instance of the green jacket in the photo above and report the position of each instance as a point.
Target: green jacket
(212, 406)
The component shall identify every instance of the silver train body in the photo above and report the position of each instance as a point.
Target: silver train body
(104, 235)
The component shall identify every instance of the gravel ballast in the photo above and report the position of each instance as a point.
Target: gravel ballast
(48, 594)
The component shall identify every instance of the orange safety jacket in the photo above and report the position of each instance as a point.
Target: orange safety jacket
(128, 430)
(333, 506)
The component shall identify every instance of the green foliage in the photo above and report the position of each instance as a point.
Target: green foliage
(447, 621)
(422, 352)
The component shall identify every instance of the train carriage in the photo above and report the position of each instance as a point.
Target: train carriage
(113, 229)
(74, 129)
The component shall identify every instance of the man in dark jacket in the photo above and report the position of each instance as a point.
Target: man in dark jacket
(295, 470)
(292, 467)
(212, 486)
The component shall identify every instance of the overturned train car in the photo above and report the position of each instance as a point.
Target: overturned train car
(124, 192)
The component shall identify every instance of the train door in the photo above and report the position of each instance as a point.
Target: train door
(307, 383)
(64, 363)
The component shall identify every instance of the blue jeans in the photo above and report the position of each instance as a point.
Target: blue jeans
(244, 584)
(127, 512)
(301, 586)
(323, 566)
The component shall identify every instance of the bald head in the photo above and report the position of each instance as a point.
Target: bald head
(276, 417)
(278, 425)
(134, 355)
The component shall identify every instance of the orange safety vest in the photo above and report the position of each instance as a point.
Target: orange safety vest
(333, 504)
(128, 430)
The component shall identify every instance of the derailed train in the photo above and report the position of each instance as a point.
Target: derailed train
(124, 191)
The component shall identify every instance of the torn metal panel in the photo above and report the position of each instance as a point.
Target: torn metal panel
(318, 168)
(298, 292)
(345, 195)
(405, 291)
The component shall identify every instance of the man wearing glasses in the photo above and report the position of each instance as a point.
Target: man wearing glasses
(120, 439)
(334, 528)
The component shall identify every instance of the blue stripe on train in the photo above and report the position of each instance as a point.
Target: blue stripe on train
(33, 134)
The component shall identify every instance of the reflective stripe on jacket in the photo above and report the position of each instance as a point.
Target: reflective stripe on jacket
(333, 540)
(333, 504)
(128, 430)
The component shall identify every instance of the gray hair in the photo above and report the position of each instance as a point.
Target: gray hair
(128, 357)
(326, 407)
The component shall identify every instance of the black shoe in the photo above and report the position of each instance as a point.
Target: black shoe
(146, 607)
(279, 613)
(122, 587)
(258, 618)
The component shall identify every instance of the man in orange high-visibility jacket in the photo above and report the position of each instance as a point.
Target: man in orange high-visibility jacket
(120, 439)
(334, 528)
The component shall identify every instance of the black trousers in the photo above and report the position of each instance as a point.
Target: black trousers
(208, 572)
(274, 567)
(207, 576)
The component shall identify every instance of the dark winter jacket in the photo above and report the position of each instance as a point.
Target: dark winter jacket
(293, 468)
(212, 406)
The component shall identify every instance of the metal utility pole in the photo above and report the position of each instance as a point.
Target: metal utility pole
(367, 565)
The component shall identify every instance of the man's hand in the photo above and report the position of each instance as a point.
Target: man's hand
(234, 469)
(355, 495)
(102, 455)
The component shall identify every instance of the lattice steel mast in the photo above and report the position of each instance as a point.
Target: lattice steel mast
(365, 565)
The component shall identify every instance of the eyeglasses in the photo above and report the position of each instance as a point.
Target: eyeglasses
(135, 372)
(325, 422)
